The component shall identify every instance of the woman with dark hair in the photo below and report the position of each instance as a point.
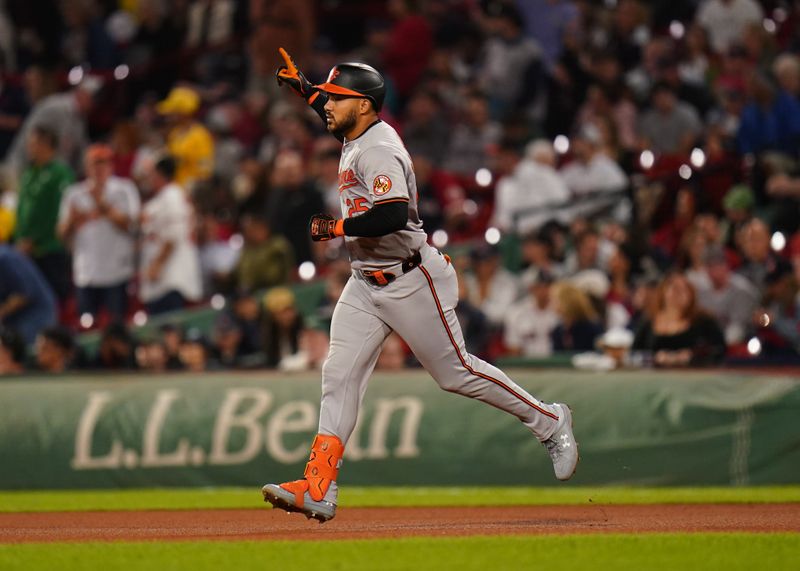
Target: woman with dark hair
(679, 334)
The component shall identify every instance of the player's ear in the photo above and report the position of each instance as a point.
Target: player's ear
(365, 106)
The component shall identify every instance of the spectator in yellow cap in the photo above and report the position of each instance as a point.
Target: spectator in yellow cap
(188, 141)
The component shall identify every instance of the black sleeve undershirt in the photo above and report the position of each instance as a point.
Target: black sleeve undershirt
(379, 220)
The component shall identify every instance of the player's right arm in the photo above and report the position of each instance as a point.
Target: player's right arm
(288, 74)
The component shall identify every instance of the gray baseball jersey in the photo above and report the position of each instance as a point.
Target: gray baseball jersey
(419, 304)
(375, 168)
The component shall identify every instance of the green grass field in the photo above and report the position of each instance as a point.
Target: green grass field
(774, 552)
(724, 551)
(181, 498)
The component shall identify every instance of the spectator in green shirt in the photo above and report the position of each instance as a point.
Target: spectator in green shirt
(267, 260)
(40, 190)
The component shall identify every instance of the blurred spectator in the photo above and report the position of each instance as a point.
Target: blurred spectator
(725, 20)
(629, 32)
(679, 334)
(226, 341)
(27, 303)
(210, 23)
(728, 297)
(530, 322)
(738, 203)
(578, 322)
(171, 338)
(194, 351)
(154, 49)
(247, 313)
(97, 219)
(441, 198)
(696, 95)
(491, 287)
(546, 22)
(472, 137)
(596, 182)
(266, 260)
(12, 352)
(695, 64)
(292, 201)
(784, 194)
(669, 126)
(325, 166)
(283, 327)
(189, 142)
(41, 188)
(587, 254)
(117, 350)
(759, 259)
(13, 109)
(509, 59)
(85, 40)
(537, 257)
(609, 103)
(644, 301)
(278, 23)
(781, 315)
(770, 121)
(55, 350)
(426, 131)
(125, 142)
(219, 253)
(532, 193)
(170, 266)
(622, 266)
(409, 47)
(151, 356)
(62, 114)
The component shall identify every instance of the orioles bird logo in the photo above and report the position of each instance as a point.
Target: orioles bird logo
(381, 185)
(334, 74)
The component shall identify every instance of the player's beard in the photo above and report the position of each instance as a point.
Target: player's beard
(345, 125)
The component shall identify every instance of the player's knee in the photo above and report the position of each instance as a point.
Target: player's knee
(452, 383)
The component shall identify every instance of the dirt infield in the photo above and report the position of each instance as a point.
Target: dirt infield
(370, 523)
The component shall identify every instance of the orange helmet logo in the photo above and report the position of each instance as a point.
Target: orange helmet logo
(334, 74)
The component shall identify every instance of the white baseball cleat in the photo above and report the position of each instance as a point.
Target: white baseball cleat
(562, 447)
(284, 499)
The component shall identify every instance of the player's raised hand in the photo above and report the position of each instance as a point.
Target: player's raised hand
(325, 227)
(289, 74)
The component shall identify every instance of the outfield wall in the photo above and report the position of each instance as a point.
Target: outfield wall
(246, 429)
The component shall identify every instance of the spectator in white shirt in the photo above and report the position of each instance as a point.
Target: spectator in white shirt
(596, 182)
(170, 264)
(526, 198)
(725, 20)
(98, 218)
(530, 322)
(490, 287)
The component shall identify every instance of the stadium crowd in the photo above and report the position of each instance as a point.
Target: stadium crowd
(592, 166)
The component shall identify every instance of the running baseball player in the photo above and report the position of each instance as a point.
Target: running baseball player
(398, 283)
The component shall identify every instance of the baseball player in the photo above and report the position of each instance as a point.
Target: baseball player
(398, 283)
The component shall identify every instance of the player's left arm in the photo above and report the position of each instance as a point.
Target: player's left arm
(385, 172)
(383, 218)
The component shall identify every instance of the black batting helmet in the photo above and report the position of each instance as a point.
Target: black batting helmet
(356, 80)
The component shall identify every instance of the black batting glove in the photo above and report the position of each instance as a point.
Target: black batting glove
(325, 227)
